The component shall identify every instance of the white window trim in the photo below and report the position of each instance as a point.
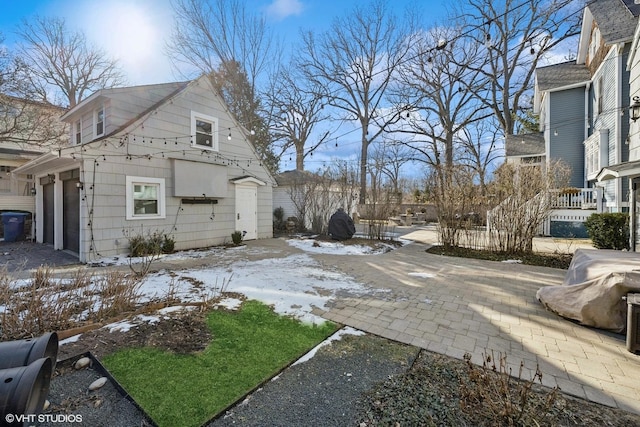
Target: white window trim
(599, 107)
(74, 132)
(95, 121)
(131, 181)
(214, 131)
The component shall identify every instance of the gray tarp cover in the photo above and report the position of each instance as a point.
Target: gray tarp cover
(593, 287)
(341, 226)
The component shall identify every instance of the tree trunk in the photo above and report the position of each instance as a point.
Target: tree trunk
(300, 157)
(363, 168)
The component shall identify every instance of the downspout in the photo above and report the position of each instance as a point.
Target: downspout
(618, 142)
(587, 87)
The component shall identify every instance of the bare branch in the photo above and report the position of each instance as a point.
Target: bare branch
(61, 61)
(353, 63)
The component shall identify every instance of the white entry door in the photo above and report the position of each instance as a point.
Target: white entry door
(247, 211)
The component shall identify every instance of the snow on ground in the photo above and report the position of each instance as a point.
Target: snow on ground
(422, 275)
(335, 337)
(336, 248)
(214, 251)
(293, 285)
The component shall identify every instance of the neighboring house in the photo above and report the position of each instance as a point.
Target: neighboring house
(27, 130)
(561, 100)
(582, 106)
(312, 198)
(165, 158)
(528, 149)
(605, 41)
(629, 171)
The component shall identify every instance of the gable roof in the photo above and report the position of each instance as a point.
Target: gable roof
(149, 96)
(616, 19)
(295, 176)
(529, 144)
(561, 75)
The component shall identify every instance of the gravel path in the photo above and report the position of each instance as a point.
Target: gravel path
(72, 404)
(325, 390)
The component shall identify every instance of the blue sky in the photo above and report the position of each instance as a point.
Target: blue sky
(135, 31)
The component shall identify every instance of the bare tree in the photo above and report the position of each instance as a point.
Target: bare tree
(354, 62)
(388, 157)
(316, 196)
(209, 34)
(435, 86)
(295, 112)
(221, 38)
(233, 86)
(24, 122)
(525, 191)
(61, 61)
(30, 124)
(479, 143)
(515, 35)
(456, 197)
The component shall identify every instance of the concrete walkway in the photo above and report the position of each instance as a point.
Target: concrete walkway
(455, 306)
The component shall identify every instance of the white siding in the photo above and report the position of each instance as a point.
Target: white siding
(148, 151)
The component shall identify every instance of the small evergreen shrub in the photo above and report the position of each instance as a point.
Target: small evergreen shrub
(609, 230)
(278, 215)
(151, 244)
(236, 237)
(168, 244)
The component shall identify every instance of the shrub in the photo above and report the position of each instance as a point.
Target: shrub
(609, 230)
(148, 247)
(236, 237)
(152, 244)
(278, 215)
(494, 393)
(45, 303)
(168, 244)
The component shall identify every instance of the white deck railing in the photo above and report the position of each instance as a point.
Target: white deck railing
(577, 198)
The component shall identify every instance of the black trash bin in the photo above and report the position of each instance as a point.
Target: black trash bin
(13, 223)
(633, 322)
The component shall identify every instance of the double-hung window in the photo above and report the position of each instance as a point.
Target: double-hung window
(204, 130)
(145, 198)
(77, 128)
(98, 120)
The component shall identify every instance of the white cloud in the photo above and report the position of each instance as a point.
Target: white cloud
(281, 9)
(134, 33)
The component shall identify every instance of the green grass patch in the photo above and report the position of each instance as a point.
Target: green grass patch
(248, 347)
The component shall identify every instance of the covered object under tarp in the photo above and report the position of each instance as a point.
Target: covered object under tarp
(593, 287)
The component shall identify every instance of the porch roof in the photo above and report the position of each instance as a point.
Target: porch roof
(561, 75)
(529, 144)
(620, 170)
(45, 163)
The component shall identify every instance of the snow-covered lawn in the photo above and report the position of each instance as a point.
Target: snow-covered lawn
(293, 284)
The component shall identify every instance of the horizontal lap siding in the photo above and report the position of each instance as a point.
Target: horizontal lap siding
(567, 118)
(192, 226)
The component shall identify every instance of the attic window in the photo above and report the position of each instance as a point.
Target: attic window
(594, 43)
(99, 121)
(78, 132)
(204, 130)
(599, 95)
